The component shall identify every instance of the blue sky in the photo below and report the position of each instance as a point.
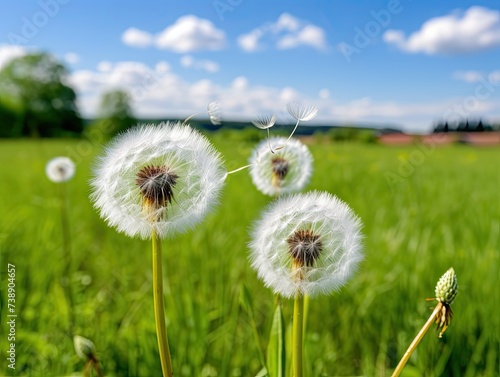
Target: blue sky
(408, 63)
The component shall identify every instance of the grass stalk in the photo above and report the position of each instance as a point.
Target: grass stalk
(161, 328)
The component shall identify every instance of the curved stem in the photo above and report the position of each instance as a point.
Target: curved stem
(161, 328)
(297, 335)
(289, 137)
(417, 340)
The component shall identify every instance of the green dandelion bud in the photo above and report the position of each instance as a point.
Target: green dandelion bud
(84, 347)
(447, 287)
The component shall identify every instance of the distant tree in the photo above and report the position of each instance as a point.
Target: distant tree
(10, 116)
(37, 82)
(480, 127)
(115, 115)
(446, 128)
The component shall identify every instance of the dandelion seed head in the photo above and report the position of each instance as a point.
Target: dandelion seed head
(84, 348)
(60, 169)
(165, 177)
(283, 172)
(306, 243)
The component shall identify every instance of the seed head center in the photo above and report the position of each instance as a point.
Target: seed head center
(280, 167)
(305, 247)
(156, 184)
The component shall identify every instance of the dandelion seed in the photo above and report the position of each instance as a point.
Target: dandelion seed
(265, 122)
(306, 244)
(164, 177)
(215, 113)
(301, 113)
(60, 169)
(286, 171)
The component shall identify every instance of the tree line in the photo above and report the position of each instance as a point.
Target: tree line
(37, 101)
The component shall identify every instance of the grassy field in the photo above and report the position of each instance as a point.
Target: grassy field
(424, 210)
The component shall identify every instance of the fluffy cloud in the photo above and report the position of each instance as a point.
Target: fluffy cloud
(159, 92)
(137, 38)
(9, 52)
(476, 29)
(287, 32)
(71, 58)
(206, 65)
(188, 33)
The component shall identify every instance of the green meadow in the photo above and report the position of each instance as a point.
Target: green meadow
(424, 210)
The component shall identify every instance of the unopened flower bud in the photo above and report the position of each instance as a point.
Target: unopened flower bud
(447, 287)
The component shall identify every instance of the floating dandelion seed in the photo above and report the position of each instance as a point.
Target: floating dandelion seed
(164, 177)
(60, 169)
(284, 172)
(306, 244)
(215, 113)
(302, 114)
(265, 122)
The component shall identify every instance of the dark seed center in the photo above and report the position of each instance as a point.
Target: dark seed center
(156, 184)
(280, 167)
(305, 247)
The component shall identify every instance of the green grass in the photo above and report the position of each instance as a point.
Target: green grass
(445, 213)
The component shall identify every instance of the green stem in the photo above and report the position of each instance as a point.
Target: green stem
(161, 328)
(67, 257)
(297, 335)
(417, 340)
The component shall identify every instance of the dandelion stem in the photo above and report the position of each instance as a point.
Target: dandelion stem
(67, 256)
(161, 328)
(289, 137)
(297, 335)
(417, 340)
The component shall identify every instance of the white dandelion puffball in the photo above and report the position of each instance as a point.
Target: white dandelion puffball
(164, 177)
(60, 169)
(284, 172)
(306, 244)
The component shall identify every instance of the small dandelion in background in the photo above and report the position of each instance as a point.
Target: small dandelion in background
(153, 182)
(305, 244)
(85, 349)
(284, 172)
(60, 170)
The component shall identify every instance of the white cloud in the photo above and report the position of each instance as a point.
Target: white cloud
(324, 94)
(137, 38)
(287, 32)
(206, 65)
(71, 58)
(467, 76)
(309, 35)
(9, 52)
(158, 92)
(190, 33)
(476, 29)
(494, 77)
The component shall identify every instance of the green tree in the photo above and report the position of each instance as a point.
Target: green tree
(115, 115)
(37, 82)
